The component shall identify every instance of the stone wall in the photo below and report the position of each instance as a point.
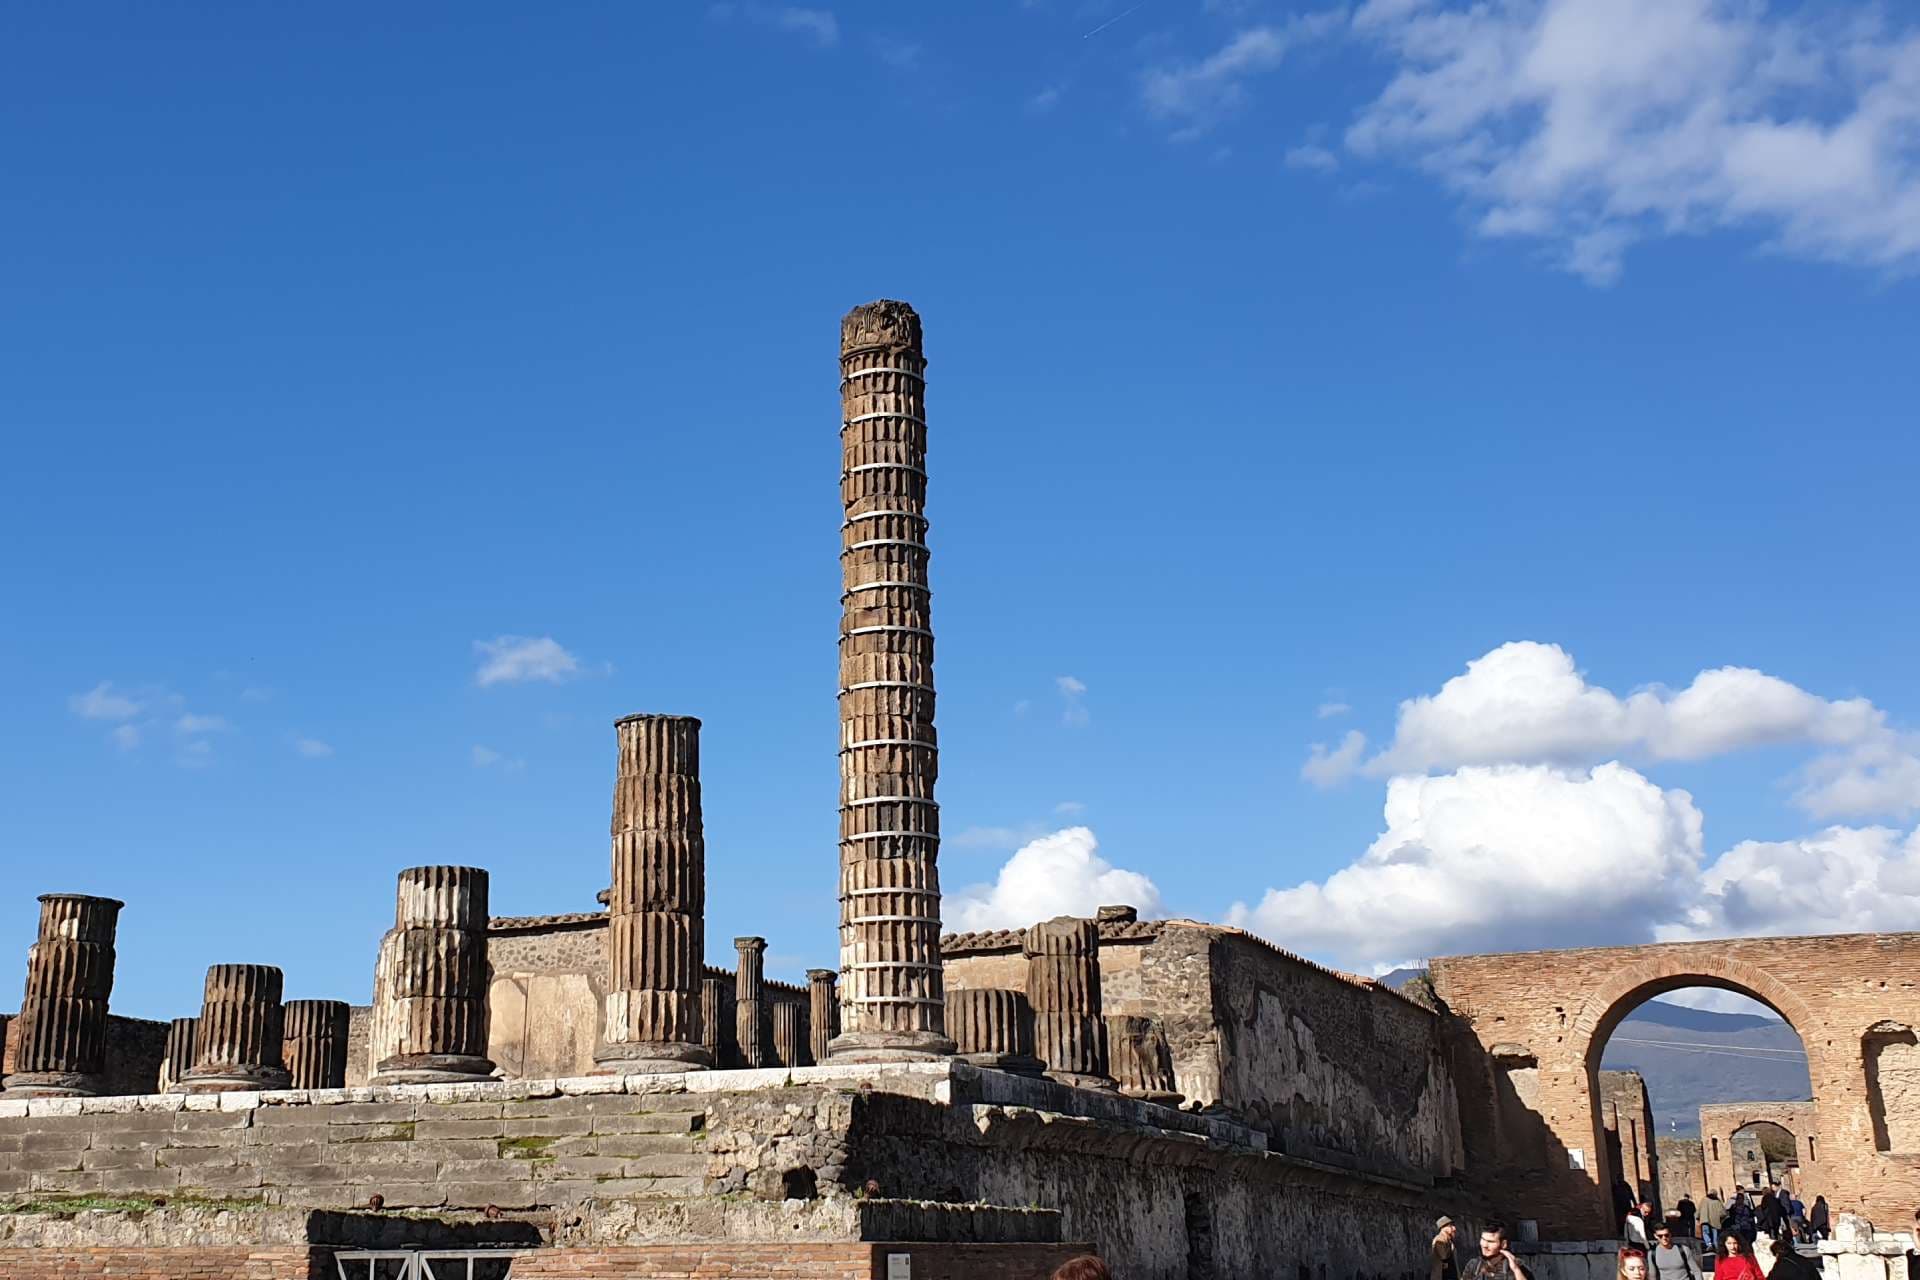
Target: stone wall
(1628, 1113)
(1334, 1068)
(1683, 1171)
(1529, 1028)
(134, 1048)
(1726, 1165)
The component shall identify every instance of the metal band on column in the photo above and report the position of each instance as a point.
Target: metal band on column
(430, 984)
(60, 1033)
(315, 1048)
(891, 994)
(657, 906)
(240, 1037)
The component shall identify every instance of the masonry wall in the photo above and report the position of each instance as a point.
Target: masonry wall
(134, 1049)
(1683, 1171)
(1539, 1020)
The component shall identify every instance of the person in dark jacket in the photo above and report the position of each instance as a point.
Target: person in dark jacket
(1768, 1215)
(1818, 1225)
(1789, 1265)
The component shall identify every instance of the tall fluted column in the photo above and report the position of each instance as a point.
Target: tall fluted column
(891, 994)
(177, 1058)
(993, 1027)
(823, 1006)
(658, 901)
(1063, 986)
(750, 1018)
(315, 1048)
(789, 1034)
(716, 1021)
(60, 1036)
(240, 1036)
(1141, 1062)
(430, 984)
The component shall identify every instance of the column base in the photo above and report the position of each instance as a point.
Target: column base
(1081, 1080)
(50, 1084)
(1158, 1097)
(1018, 1064)
(432, 1068)
(888, 1046)
(224, 1079)
(651, 1057)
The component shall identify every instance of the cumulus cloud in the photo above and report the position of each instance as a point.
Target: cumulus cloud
(1499, 857)
(1328, 710)
(1311, 157)
(517, 659)
(1058, 874)
(1195, 95)
(1588, 125)
(125, 736)
(1840, 880)
(1073, 698)
(1528, 703)
(102, 703)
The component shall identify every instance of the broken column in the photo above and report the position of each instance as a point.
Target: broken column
(1063, 986)
(993, 1027)
(239, 1039)
(1140, 1061)
(315, 1044)
(177, 1058)
(60, 1033)
(891, 992)
(658, 903)
(789, 1034)
(429, 1021)
(750, 1018)
(823, 1003)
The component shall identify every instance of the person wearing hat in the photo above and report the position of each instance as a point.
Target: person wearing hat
(1443, 1267)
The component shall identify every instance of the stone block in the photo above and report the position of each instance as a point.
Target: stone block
(32, 1161)
(136, 1158)
(623, 1188)
(369, 1112)
(216, 1178)
(69, 1140)
(64, 1183)
(505, 1195)
(408, 1195)
(386, 1131)
(592, 1104)
(551, 1126)
(461, 1110)
(569, 1167)
(436, 1128)
(196, 1157)
(680, 1122)
(494, 1170)
(642, 1144)
(662, 1166)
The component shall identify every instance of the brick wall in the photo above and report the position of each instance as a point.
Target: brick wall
(211, 1262)
(796, 1262)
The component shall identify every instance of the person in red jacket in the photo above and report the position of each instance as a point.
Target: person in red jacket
(1733, 1260)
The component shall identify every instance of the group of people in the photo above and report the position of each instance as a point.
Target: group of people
(1655, 1248)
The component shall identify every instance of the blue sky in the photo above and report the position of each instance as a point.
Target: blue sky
(1280, 369)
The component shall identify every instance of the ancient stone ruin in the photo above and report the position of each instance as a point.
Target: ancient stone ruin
(582, 1094)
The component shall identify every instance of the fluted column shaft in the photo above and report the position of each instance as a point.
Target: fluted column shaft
(430, 983)
(789, 1034)
(1139, 1060)
(315, 1048)
(60, 1040)
(177, 1058)
(716, 1021)
(239, 1039)
(823, 1007)
(1063, 986)
(657, 906)
(750, 1017)
(993, 1027)
(891, 989)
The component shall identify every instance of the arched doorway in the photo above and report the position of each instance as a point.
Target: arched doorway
(1764, 1154)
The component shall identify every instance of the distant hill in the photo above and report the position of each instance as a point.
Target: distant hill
(1692, 1057)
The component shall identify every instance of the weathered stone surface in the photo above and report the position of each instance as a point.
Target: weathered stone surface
(891, 994)
(1063, 986)
(430, 982)
(752, 1020)
(823, 1011)
(993, 1027)
(790, 1048)
(177, 1059)
(59, 1036)
(1138, 1057)
(657, 905)
(315, 1048)
(239, 1037)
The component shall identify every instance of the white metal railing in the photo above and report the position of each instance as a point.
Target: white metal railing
(424, 1264)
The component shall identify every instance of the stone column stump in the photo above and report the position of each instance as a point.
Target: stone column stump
(823, 1008)
(429, 1021)
(1140, 1060)
(789, 1034)
(716, 1022)
(240, 1036)
(993, 1028)
(60, 1033)
(177, 1058)
(315, 1048)
(1063, 986)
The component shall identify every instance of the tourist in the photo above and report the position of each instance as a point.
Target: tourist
(1740, 1218)
(1637, 1228)
(1734, 1258)
(1689, 1215)
(1670, 1259)
(1769, 1215)
(1443, 1265)
(1711, 1219)
(1819, 1220)
(1495, 1260)
(1085, 1267)
(1632, 1265)
(1789, 1265)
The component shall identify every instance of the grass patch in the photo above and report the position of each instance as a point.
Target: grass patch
(530, 1148)
(61, 1206)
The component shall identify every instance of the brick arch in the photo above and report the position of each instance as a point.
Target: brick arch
(1656, 974)
(1720, 1121)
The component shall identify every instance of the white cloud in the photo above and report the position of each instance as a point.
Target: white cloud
(1057, 874)
(1717, 1001)
(312, 748)
(1073, 696)
(1587, 125)
(1311, 157)
(191, 725)
(1494, 858)
(1195, 95)
(196, 753)
(515, 659)
(102, 703)
(1046, 100)
(1069, 808)
(126, 736)
(1328, 710)
(1840, 880)
(901, 55)
(818, 24)
(484, 756)
(1528, 703)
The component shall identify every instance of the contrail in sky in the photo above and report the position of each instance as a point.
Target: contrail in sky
(1115, 18)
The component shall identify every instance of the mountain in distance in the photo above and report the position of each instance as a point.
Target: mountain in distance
(1693, 1057)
